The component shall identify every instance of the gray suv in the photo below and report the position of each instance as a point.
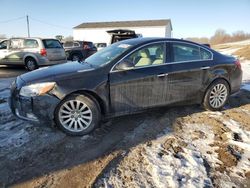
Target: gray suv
(31, 52)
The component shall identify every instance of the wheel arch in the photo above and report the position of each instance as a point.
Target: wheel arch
(214, 80)
(92, 95)
(30, 56)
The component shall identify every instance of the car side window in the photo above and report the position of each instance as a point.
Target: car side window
(30, 43)
(189, 52)
(16, 43)
(3, 45)
(149, 55)
(205, 55)
(185, 52)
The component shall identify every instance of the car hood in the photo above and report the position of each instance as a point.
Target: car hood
(53, 72)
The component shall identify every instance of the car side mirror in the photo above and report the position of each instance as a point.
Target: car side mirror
(125, 65)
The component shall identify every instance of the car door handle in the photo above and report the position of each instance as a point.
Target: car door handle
(205, 68)
(162, 75)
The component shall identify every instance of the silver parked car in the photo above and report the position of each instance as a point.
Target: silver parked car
(31, 52)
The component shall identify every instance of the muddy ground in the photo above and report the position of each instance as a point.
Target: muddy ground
(38, 156)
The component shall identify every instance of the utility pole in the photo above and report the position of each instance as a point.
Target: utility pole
(28, 25)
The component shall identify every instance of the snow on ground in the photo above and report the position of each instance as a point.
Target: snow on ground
(11, 133)
(185, 168)
(213, 153)
(230, 48)
(244, 42)
(243, 143)
(229, 51)
(245, 65)
(5, 83)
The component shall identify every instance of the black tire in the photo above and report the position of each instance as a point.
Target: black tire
(30, 64)
(91, 105)
(220, 98)
(76, 57)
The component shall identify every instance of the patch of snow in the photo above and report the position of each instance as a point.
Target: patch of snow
(244, 42)
(15, 139)
(245, 65)
(244, 163)
(216, 113)
(5, 83)
(185, 169)
(229, 51)
(4, 94)
(246, 87)
(203, 144)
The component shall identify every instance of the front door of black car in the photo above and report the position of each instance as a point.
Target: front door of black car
(141, 85)
(188, 70)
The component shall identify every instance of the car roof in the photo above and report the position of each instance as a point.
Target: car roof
(33, 38)
(144, 40)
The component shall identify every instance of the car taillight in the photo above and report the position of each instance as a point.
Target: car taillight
(43, 52)
(237, 63)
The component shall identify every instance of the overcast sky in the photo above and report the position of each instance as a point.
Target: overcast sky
(190, 18)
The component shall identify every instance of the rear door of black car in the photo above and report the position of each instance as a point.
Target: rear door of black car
(144, 85)
(188, 70)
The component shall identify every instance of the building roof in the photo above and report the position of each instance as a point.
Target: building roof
(138, 23)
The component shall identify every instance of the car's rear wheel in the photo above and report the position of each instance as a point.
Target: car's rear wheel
(31, 64)
(216, 95)
(76, 57)
(77, 115)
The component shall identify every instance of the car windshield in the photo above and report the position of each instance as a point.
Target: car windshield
(107, 54)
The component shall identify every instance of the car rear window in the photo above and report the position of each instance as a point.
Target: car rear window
(30, 43)
(51, 43)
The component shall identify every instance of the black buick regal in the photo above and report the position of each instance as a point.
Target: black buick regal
(126, 77)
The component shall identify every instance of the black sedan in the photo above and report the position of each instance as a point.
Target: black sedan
(126, 77)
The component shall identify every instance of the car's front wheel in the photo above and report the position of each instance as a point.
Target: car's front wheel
(216, 95)
(77, 115)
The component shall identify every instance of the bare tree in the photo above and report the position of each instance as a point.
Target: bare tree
(220, 36)
(202, 40)
(68, 38)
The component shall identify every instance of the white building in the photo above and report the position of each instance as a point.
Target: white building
(97, 31)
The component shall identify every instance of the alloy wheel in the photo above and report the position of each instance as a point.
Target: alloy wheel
(218, 96)
(31, 65)
(75, 116)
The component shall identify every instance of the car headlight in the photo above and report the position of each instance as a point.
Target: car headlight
(37, 89)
